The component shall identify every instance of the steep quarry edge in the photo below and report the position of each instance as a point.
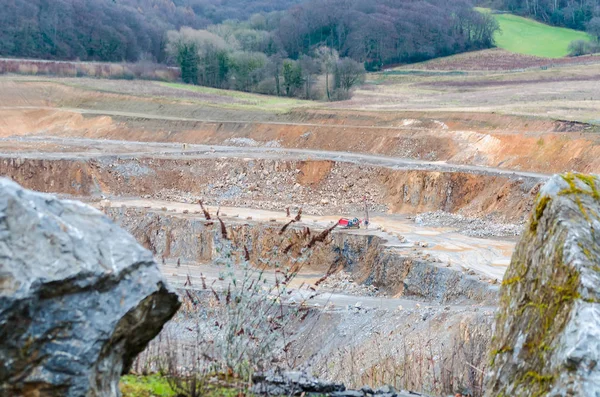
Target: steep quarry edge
(321, 186)
(192, 240)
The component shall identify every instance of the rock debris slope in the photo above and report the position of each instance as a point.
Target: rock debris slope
(547, 336)
(79, 297)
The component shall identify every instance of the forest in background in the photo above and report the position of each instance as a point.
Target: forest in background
(285, 53)
(111, 30)
(311, 49)
(378, 31)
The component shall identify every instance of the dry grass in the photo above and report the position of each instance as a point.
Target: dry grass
(142, 70)
(228, 334)
(565, 93)
(496, 59)
(420, 362)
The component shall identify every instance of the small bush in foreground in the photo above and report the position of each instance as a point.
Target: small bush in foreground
(234, 326)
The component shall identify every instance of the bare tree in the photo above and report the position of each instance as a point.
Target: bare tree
(348, 73)
(329, 58)
(593, 28)
(310, 68)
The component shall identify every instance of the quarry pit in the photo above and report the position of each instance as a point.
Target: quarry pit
(408, 301)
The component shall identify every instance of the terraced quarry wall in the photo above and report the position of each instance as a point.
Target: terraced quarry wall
(318, 185)
(438, 286)
(192, 240)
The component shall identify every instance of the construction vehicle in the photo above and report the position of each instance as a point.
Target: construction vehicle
(347, 223)
(366, 220)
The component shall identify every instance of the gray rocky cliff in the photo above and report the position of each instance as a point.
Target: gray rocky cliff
(79, 297)
(547, 335)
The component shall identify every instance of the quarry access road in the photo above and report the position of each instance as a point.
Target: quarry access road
(148, 116)
(181, 276)
(48, 147)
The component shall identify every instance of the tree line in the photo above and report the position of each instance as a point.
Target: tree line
(309, 49)
(207, 59)
(574, 14)
(321, 48)
(111, 30)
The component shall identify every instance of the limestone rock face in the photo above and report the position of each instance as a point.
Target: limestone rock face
(547, 335)
(79, 298)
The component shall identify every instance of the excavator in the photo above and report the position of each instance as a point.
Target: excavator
(355, 223)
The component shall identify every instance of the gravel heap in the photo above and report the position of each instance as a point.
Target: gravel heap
(341, 192)
(474, 227)
(343, 282)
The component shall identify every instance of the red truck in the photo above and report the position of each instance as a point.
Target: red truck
(349, 223)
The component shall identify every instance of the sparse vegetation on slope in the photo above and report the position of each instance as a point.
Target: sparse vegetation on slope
(244, 100)
(495, 59)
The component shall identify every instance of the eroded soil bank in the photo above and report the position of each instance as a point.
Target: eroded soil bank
(319, 186)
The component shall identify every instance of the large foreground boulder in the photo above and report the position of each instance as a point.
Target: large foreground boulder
(547, 335)
(79, 297)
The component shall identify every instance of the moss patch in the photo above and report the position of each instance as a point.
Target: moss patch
(589, 181)
(539, 308)
(145, 386)
(158, 386)
(542, 203)
(540, 288)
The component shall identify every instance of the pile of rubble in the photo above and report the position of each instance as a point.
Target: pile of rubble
(249, 142)
(474, 227)
(297, 383)
(343, 282)
(274, 187)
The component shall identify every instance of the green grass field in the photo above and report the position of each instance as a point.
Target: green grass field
(245, 100)
(526, 36)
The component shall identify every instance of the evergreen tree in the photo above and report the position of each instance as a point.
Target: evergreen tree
(187, 59)
(292, 76)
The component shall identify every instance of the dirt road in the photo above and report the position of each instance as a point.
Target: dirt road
(148, 116)
(181, 276)
(83, 148)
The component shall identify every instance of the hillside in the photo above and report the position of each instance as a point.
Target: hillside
(378, 33)
(527, 36)
(494, 59)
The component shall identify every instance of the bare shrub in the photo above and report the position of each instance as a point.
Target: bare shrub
(232, 327)
(420, 363)
(141, 70)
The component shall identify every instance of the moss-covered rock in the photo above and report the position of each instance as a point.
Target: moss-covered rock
(547, 335)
